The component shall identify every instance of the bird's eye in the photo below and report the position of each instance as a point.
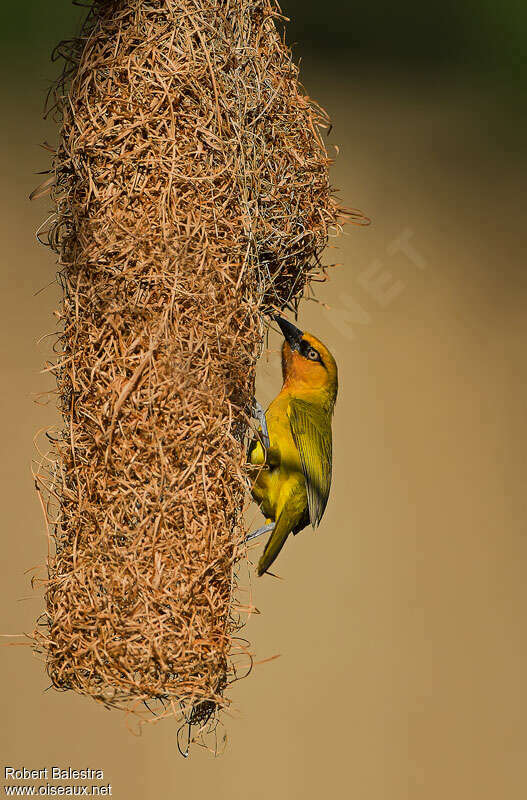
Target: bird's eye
(312, 354)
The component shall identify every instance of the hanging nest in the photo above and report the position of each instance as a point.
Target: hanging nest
(191, 194)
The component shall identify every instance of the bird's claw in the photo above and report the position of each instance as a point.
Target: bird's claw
(259, 414)
(264, 529)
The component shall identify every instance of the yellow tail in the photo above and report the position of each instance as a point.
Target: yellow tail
(276, 541)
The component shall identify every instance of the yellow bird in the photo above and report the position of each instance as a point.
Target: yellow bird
(295, 449)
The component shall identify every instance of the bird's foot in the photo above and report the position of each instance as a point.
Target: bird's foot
(259, 414)
(264, 529)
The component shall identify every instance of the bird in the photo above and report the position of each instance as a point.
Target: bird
(294, 448)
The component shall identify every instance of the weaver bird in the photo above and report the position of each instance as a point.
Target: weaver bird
(295, 449)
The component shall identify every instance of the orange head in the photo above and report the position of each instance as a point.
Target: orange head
(307, 365)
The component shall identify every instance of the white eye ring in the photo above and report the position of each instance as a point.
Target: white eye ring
(312, 354)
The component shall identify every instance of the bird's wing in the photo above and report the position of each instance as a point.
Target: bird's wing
(311, 429)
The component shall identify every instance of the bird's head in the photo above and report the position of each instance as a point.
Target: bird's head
(307, 364)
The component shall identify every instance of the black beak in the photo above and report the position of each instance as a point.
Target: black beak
(292, 334)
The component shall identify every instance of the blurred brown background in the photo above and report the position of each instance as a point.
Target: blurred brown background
(400, 623)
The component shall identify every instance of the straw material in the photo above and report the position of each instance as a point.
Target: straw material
(192, 195)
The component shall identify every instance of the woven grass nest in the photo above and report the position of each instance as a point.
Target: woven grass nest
(191, 194)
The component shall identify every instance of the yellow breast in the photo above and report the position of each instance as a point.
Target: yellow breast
(286, 476)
